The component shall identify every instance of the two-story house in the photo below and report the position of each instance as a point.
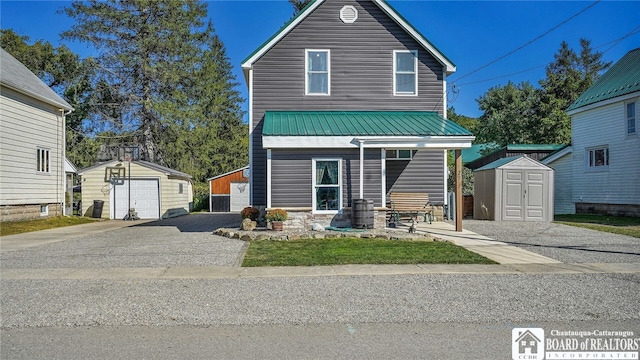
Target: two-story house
(600, 171)
(32, 144)
(347, 101)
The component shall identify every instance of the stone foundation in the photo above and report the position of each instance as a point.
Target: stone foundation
(304, 220)
(608, 209)
(27, 212)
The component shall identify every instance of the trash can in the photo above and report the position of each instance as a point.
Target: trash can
(97, 208)
(362, 214)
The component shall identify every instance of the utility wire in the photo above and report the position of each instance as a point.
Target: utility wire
(529, 42)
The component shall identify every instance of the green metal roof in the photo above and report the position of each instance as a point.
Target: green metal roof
(476, 151)
(621, 79)
(498, 163)
(359, 123)
(534, 147)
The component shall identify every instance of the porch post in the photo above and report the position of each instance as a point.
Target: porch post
(458, 154)
(361, 144)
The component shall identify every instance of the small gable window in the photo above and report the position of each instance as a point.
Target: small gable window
(318, 76)
(42, 160)
(399, 154)
(631, 118)
(405, 72)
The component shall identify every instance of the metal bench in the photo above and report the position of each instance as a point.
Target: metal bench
(410, 204)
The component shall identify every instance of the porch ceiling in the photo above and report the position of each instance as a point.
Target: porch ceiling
(360, 124)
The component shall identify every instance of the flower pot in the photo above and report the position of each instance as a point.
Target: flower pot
(276, 225)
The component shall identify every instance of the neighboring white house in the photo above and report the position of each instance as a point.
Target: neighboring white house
(156, 191)
(605, 133)
(32, 144)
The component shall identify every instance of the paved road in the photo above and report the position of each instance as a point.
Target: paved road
(440, 316)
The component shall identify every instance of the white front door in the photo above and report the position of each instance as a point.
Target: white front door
(145, 199)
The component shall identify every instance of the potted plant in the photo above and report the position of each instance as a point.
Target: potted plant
(276, 217)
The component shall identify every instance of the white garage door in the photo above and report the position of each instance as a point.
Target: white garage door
(239, 196)
(145, 199)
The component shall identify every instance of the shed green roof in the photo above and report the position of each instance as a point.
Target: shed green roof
(621, 79)
(359, 123)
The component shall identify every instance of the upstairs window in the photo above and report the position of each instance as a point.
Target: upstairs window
(631, 118)
(405, 72)
(42, 160)
(598, 158)
(318, 75)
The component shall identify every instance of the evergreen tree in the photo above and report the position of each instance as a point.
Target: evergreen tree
(298, 5)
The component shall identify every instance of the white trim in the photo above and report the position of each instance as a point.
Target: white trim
(604, 103)
(445, 175)
(268, 178)
(450, 67)
(228, 173)
(444, 94)
(383, 175)
(551, 158)
(309, 142)
(306, 72)
(251, 172)
(415, 73)
(313, 186)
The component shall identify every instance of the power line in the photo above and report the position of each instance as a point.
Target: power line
(529, 42)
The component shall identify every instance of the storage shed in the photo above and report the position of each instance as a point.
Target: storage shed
(515, 188)
(156, 191)
(229, 191)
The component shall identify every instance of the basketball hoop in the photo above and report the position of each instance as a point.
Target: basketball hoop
(115, 174)
(129, 153)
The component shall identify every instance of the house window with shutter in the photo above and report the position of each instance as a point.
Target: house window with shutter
(42, 160)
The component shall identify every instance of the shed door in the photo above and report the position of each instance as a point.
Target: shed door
(145, 199)
(239, 195)
(523, 195)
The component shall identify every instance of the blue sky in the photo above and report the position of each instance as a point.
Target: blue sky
(470, 33)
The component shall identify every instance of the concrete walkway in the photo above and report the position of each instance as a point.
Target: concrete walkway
(495, 250)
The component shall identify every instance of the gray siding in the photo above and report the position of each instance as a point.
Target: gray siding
(424, 173)
(361, 58)
(292, 176)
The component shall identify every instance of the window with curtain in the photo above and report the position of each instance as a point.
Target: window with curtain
(598, 157)
(405, 72)
(327, 186)
(318, 68)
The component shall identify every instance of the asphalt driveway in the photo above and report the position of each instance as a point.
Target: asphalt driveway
(182, 241)
(568, 244)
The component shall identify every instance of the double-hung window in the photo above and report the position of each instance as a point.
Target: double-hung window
(598, 157)
(327, 185)
(318, 72)
(42, 160)
(631, 118)
(405, 72)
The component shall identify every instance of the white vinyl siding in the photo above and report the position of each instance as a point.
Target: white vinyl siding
(563, 185)
(405, 72)
(28, 125)
(620, 183)
(318, 76)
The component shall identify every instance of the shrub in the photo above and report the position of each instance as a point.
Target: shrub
(250, 212)
(276, 215)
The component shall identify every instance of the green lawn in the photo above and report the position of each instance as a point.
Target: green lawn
(341, 251)
(613, 224)
(19, 227)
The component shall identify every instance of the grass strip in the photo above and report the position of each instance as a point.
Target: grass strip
(623, 225)
(19, 227)
(342, 251)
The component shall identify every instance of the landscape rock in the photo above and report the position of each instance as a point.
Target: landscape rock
(248, 225)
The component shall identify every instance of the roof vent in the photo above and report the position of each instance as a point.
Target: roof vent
(348, 14)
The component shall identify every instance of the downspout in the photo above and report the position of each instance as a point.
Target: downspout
(63, 160)
(361, 146)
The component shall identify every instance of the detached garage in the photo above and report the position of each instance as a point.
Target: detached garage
(153, 191)
(229, 191)
(515, 188)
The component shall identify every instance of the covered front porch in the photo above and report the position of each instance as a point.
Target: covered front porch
(319, 162)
